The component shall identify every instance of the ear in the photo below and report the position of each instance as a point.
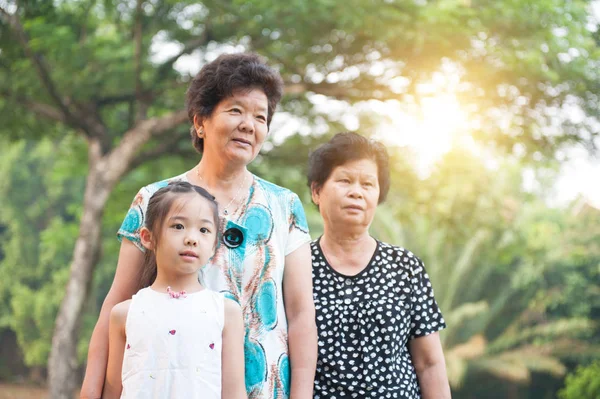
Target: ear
(199, 126)
(315, 192)
(146, 238)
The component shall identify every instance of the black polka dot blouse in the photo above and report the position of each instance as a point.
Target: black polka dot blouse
(365, 322)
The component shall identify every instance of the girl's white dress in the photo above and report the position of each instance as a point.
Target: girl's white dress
(173, 347)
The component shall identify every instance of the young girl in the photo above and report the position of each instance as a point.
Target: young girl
(175, 339)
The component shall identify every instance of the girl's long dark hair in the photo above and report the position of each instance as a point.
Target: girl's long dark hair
(158, 207)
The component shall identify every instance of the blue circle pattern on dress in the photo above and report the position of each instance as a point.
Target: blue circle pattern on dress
(133, 220)
(284, 374)
(266, 304)
(256, 364)
(258, 223)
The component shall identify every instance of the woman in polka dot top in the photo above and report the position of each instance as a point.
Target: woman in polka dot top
(376, 315)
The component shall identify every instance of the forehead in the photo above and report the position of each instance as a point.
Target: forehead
(250, 96)
(190, 205)
(360, 167)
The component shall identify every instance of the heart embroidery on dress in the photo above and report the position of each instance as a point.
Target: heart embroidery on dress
(172, 332)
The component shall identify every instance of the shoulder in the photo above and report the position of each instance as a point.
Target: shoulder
(314, 246)
(401, 257)
(232, 313)
(272, 188)
(285, 200)
(118, 314)
(277, 194)
(232, 308)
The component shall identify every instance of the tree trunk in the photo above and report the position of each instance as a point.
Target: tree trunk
(104, 173)
(62, 363)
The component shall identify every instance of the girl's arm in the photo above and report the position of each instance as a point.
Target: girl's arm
(233, 385)
(116, 349)
(124, 285)
(428, 359)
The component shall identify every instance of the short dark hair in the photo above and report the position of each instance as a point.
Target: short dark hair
(224, 76)
(158, 208)
(346, 147)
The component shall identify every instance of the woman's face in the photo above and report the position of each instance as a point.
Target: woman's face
(237, 127)
(350, 195)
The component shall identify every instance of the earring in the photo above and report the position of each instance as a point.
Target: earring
(200, 132)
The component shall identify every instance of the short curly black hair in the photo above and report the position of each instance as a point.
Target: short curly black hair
(225, 75)
(346, 147)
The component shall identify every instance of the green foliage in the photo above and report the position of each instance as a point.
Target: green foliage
(518, 61)
(517, 281)
(584, 383)
(40, 193)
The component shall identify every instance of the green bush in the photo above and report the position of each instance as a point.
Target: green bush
(584, 383)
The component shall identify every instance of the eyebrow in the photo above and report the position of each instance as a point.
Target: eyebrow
(366, 176)
(184, 219)
(234, 101)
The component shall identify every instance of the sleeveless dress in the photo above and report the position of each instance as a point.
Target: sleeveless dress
(173, 347)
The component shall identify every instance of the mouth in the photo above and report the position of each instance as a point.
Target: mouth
(242, 141)
(189, 254)
(354, 207)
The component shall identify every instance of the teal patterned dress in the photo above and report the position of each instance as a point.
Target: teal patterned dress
(273, 225)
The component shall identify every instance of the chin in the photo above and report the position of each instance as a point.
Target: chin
(352, 220)
(241, 159)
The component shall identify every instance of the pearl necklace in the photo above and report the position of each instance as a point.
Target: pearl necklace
(237, 194)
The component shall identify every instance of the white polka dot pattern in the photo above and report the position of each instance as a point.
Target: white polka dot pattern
(365, 322)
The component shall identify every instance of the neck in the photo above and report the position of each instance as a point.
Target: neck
(187, 282)
(216, 172)
(346, 243)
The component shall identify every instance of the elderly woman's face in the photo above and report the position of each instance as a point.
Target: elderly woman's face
(237, 127)
(350, 195)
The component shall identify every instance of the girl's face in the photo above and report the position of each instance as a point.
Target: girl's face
(237, 127)
(188, 236)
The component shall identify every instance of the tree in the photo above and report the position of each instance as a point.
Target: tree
(87, 67)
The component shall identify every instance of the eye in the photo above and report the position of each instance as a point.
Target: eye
(345, 180)
(368, 184)
(261, 118)
(204, 230)
(235, 110)
(178, 226)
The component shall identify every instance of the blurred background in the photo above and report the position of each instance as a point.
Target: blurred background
(490, 110)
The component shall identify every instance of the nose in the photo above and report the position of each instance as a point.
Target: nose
(190, 241)
(247, 124)
(355, 191)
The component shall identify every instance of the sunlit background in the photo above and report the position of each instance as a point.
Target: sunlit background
(489, 110)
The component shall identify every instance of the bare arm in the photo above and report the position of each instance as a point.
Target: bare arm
(116, 348)
(428, 359)
(302, 330)
(124, 285)
(233, 385)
